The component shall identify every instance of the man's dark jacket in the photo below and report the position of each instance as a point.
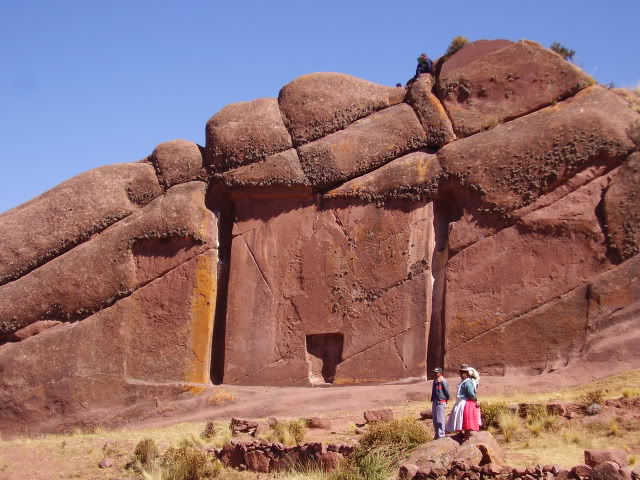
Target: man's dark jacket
(440, 391)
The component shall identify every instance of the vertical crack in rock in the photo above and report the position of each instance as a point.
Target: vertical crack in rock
(264, 278)
(350, 241)
(219, 202)
(443, 214)
(397, 349)
(612, 255)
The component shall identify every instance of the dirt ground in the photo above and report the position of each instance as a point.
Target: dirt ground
(77, 455)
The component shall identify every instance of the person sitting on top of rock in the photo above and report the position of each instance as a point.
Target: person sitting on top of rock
(425, 65)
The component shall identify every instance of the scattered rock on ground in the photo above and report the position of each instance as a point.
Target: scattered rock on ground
(319, 423)
(106, 463)
(373, 416)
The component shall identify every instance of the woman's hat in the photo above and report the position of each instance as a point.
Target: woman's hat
(464, 368)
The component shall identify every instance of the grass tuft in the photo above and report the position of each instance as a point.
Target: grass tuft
(509, 424)
(457, 43)
(146, 452)
(572, 436)
(289, 433)
(590, 397)
(377, 464)
(614, 429)
(403, 435)
(631, 392)
(491, 411)
(304, 472)
(188, 463)
(563, 51)
(217, 433)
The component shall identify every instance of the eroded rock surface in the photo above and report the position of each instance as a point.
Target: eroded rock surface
(171, 229)
(278, 170)
(410, 177)
(152, 344)
(505, 84)
(178, 161)
(515, 163)
(69, 214)
(550, 254)
(245, 132)
(622, 208)
(363, 146)
(318, 104)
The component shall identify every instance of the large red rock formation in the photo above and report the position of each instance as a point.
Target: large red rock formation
(489, 88)
(340, 233)
(168, 231)
(362, 146)
(303, 274)
(318, 104)
(47, 226)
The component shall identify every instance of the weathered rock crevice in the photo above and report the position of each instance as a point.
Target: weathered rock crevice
(219, 202)
(612, 253)
(445, 211)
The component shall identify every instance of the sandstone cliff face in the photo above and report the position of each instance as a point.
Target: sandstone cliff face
(343, 233)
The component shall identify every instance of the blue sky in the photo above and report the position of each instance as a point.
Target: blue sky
(87, 83)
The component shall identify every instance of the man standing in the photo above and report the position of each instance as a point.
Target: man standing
(439, 398)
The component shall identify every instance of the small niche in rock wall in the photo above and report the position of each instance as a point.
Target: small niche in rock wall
(324, 353)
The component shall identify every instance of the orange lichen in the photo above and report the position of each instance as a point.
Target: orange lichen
(203, 302)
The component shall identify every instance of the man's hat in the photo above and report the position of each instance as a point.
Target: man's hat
(464, 368)
(437, 370)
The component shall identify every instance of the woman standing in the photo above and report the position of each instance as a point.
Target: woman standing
(465, 416)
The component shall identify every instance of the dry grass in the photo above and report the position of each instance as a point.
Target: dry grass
(217, 433)
(403, 434)
(185, 462)
(545, 439)
(565, 442)
(306, 472)
(288, 433)
(509, 424)
(631, 392)
(77, 454)
(539, 440)
(612, 387)
(221, 397)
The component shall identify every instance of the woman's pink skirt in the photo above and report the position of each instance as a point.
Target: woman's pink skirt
(471, 416)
